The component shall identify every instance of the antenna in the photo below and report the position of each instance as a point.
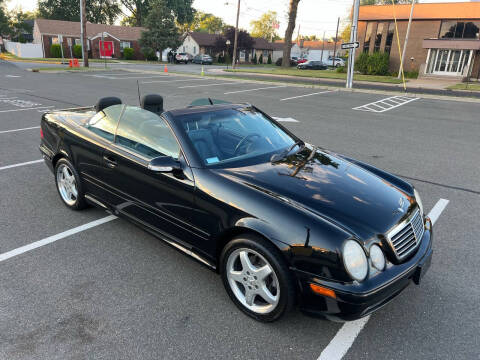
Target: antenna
(138, 90)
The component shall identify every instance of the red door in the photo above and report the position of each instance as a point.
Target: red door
(106, 48)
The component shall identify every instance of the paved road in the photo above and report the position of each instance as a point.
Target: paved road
(115, 292)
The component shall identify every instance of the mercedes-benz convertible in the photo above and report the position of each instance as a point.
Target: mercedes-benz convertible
(283, 222)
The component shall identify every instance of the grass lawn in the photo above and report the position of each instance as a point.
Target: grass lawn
(325, 74)
(55, 69)
(465, 86)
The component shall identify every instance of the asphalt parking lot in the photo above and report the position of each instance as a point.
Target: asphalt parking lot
(113, 291)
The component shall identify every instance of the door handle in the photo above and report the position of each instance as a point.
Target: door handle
(109, 161)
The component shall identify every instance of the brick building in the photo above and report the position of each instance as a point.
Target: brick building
(444, 37)
(46, 33)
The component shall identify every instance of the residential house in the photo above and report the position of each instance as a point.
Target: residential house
(117, 38)
(444, 37)
(277, 50)
(319, 50)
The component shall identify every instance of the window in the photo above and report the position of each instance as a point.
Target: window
(54, 40)
(265, 54)
(368, 35)
(223, 136)
(472, 29)
(194, 49)
(124, 44)
(105, 122)
(378, 37)
(79, 42)
(459, 30)
(389, 39)
(146, 133)
(447, 30)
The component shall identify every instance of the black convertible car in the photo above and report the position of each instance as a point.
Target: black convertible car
(282, 221)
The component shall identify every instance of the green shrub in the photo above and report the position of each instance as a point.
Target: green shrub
(55, 51)
(411, 74)
(149, 54)
(361, 64)
(377, 63)
(228, 59)
(260, 59)
(341, 69)
(269, 60)
(128, 53)
(254, 60)
(221, 59)
(77, 51)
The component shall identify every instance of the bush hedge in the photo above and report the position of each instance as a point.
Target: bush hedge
(149, 54)
(269, 61)
(77, 51)
(254, 60)
(260, 59)
(55, 51)
(128, 53)
(376, 63)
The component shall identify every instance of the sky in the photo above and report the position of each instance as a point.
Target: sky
(314, 16)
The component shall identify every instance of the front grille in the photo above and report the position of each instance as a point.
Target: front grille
(405, 237)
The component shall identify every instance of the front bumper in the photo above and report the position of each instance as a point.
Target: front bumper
(356, 300)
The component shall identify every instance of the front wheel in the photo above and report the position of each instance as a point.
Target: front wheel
(69, 186)
(257, 278)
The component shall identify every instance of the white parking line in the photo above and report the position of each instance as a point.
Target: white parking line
(12, 76)
(383, 105)
(23, 129)
(264, 88)
(317, 93)
(24, 109)
(345, 337)
(160, 81)
(216, 84)
(21, 164)
(437, 210)
(53, 238)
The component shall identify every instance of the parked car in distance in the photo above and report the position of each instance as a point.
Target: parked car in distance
(312, 65)
(282, 221)
(337, 63)
(279, 62)
(302, 60)
(183, 58)
(203, 59)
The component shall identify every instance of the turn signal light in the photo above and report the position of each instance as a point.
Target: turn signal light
(41, 133)
(323, 291)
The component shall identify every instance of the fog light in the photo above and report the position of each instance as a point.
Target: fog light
(377, 257)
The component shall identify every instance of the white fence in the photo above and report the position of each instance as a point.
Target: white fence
(24, 50)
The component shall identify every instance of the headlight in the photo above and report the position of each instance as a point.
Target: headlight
(355, 260)
(377, 257)
(419, 200)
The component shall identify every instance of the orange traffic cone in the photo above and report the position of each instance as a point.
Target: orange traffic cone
(70, 64)
(165, 69)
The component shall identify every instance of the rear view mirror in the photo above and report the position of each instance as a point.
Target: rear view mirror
(164, 164)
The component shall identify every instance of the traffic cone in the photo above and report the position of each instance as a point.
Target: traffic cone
(202, 73)
(165, 69)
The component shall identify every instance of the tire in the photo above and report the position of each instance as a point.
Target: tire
(69, 186)
(266, 299)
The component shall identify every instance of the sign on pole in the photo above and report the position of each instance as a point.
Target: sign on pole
(352, 45)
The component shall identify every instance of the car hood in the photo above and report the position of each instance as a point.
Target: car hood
(331, 187)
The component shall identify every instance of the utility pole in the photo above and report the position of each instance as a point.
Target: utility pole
(235, 42)
(83, 31)
(353, 38)
(335, 45)
(323, 45)
(400, 70)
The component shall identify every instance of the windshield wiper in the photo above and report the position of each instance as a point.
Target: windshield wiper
(280, 156)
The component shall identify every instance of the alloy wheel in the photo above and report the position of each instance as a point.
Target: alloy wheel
(253, 280)
(67, 185)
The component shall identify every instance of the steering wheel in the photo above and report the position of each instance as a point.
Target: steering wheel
(243, 141)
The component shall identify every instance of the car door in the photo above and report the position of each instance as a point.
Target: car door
(88, 153)
(163, 202)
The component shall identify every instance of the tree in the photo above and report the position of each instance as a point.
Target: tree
(244, 41)
(345, 35)
(203, 22)
(140, 9)
(264, 27)
(4, 24)
(292, 17)
(161, 30)
(18, 24)
(98, 11)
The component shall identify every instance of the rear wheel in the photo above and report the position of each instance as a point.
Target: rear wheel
(68, 185)
(257, 278)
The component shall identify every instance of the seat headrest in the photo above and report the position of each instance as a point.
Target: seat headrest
(153, 103)
(106, 102)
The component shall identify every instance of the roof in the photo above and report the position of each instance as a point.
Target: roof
(261, 44)
(426, 11)
(318, 45)
(204, 39)
(72, 28)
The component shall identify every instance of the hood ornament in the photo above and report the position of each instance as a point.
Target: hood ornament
(400, 210)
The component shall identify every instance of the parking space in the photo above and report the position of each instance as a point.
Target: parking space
(116, 292)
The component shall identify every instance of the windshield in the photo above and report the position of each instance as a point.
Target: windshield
(222, 137)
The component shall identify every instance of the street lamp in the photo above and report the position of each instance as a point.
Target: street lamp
(228, 44)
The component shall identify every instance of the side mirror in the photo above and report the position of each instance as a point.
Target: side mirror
(164, 164)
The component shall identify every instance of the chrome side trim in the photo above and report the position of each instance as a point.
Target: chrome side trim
(95, 201)
(189, 252)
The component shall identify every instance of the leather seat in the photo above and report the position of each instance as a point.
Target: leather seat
(203, 141)
(106, 102)
(153, 103)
